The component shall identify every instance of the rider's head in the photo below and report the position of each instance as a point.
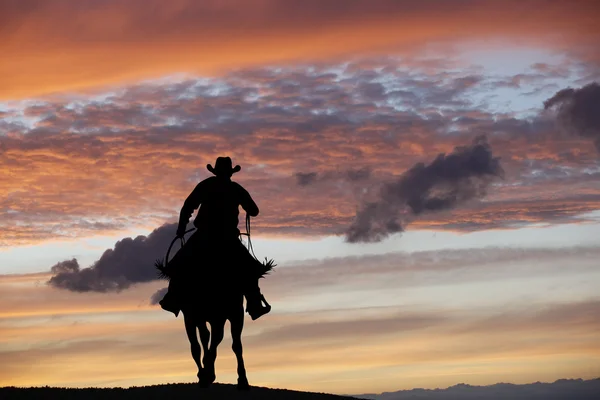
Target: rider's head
(223, 167)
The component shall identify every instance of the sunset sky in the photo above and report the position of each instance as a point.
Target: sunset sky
(428, 175)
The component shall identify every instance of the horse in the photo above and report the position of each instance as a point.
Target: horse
(227, 305)
(219, 299)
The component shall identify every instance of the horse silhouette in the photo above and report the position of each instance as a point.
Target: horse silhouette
(213, 293)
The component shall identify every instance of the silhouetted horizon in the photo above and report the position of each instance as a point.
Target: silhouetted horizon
(561, 389)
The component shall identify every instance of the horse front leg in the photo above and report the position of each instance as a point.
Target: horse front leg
(190, 330)
(204, 339)
(217, 331)
(237, 326)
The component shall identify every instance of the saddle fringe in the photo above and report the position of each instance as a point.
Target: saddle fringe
(161, 270)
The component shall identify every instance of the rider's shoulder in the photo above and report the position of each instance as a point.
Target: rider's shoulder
(208, 180)
(237, 185)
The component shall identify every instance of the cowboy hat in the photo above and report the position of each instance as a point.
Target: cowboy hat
(223, 166)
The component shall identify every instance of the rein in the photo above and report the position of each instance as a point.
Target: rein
(182, 240)
(248, 234)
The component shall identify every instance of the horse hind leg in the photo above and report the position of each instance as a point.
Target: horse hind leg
(217, 329)
(237, 326)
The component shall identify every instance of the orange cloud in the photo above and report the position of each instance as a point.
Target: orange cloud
(71, 168)
(67, 45)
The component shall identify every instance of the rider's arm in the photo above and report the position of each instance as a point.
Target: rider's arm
(191, 203)
(247, 202)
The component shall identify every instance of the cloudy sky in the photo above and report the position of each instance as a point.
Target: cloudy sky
(428, 175)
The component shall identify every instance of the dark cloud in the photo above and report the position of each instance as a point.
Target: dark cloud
(448, 181)
(461, 175)
(306, 178)
(360, 174)
(578, 111)
(351, 175)
(158, 295)
(65, 267)
(131, 261)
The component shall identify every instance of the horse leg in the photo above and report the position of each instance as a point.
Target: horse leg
(204, 338)
(190, 330)
(217, 331)
(237, 325)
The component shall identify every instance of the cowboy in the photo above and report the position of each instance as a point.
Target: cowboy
(218, 199)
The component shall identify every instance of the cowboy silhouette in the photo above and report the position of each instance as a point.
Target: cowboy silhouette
(217, 235)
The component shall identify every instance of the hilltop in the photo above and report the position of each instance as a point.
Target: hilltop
(162, 392)
(563, 389)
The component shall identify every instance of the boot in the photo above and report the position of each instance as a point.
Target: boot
(254, 306)
(168, 303)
